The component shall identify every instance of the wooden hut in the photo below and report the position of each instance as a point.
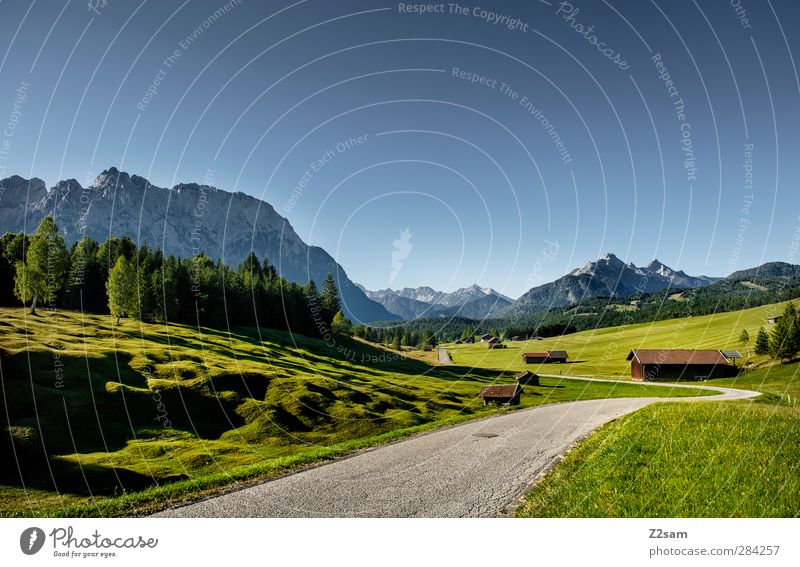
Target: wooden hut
(501, 394)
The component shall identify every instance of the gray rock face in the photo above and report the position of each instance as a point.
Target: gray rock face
(183, 221)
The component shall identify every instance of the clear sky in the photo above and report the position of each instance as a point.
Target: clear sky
(508, 142)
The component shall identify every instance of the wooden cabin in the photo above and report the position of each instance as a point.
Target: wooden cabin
(527, 378)
(501, 394)
(549, 357)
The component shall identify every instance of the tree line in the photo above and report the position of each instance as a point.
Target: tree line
(127, 280)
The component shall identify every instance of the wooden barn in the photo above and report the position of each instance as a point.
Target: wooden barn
(534, 357)
(672, 365)
(501, 394)
(527, 378)
(549, 357)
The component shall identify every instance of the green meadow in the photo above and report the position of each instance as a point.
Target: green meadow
(111, 420)
(706, 459)
(602, 352)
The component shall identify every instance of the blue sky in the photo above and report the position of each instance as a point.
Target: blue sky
(410, 137)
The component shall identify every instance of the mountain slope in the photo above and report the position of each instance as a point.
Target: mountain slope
(474, 302)
(770, 269)
(607, 276)
(183, 221)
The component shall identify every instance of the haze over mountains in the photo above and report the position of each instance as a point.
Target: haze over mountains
(184, 220)
(473, 302)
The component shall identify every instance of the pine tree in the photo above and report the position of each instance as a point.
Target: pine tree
(121, 289)
(330, 298)
(783, 341)
(762, 342)
(41, 275)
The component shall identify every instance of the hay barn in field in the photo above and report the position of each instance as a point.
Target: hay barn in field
(672, 365)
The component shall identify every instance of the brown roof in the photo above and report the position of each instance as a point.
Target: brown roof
(524, 374)
(557, 354)
(541, 354)
(493, 340)
(677, 356)
(500, 391)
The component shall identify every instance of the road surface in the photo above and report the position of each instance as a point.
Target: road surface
(476, 469)
(444, 358)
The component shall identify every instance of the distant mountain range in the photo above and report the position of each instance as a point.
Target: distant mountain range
(607, 276)
(189, 218)
(183, 221)
(473, 302)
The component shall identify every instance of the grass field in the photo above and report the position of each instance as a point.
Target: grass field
(602, 352)
(107, 420)
(711, 459)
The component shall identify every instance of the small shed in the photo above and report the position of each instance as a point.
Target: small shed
(557, 356)
(485, 338)
(468, 341)
(428, 348)
(527, 378)
(459, 342)
(774, 319)
(501, 394)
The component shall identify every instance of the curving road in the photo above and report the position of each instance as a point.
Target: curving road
(472, 470)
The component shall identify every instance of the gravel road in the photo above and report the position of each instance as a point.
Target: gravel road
(476, 469)
(444, 358)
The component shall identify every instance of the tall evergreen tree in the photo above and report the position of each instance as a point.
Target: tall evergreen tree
(762, 342)
(330, 298)
(783, 341)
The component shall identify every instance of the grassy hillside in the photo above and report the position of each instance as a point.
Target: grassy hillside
(108, 420)
(602, 352)
(714, 459)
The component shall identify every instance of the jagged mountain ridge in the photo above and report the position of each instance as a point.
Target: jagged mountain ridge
(184, 220)
(607, 276)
